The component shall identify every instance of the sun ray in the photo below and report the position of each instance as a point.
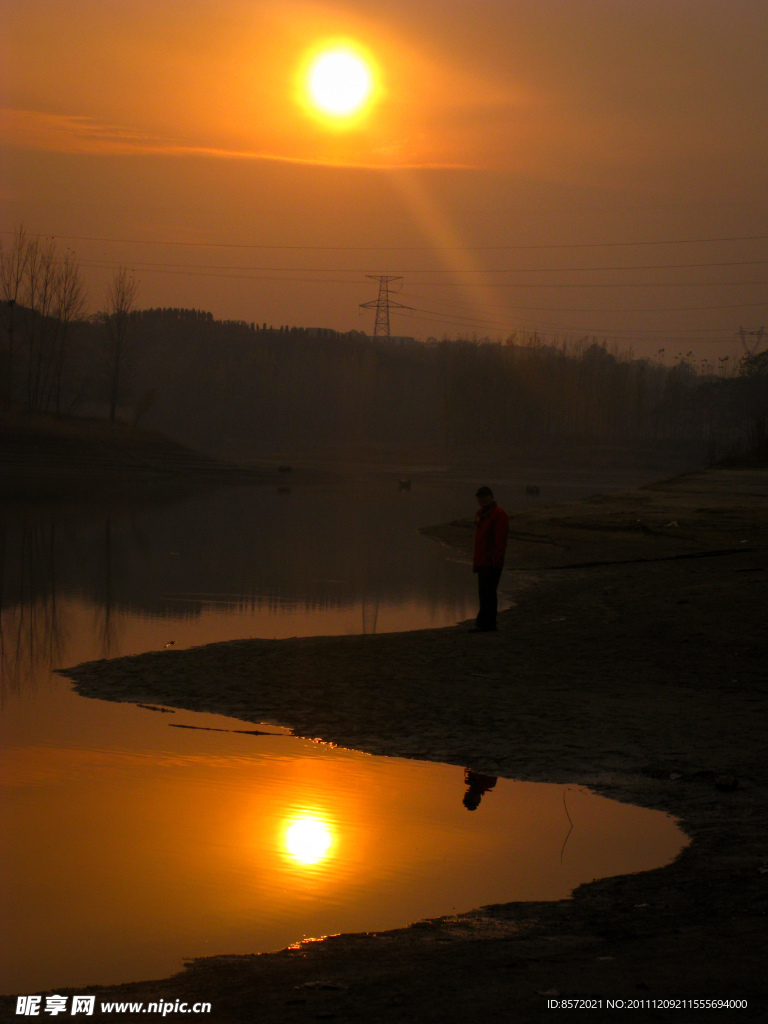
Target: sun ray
(470, 284)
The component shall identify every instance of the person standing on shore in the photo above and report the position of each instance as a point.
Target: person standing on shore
(490, 546)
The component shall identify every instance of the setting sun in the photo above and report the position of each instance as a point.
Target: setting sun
(339, 83)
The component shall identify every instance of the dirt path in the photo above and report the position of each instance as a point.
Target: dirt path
(634, 661)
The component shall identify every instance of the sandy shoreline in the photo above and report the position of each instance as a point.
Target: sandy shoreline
(634, 665)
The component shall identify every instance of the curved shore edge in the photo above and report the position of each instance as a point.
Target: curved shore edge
(635, 665)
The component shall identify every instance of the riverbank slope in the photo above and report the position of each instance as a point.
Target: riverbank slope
(52, 457)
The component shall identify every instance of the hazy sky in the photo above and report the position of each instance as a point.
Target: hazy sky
(504, 140)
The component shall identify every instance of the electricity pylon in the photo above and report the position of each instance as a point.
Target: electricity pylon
(382, 304)
(751, 346)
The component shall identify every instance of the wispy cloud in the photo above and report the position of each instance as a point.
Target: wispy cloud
(72, 133)
(34, 129)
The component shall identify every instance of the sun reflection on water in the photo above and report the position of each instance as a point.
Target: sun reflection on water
(308, 840)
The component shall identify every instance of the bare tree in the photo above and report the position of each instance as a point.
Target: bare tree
(38, 298)
(70, 303)
(117, 322)
(45, 297)
(13, 268)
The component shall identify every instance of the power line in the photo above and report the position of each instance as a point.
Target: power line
(395, 248)
(211, 273)
(279, 274)
(461, 273)
(383, 303)
(602, 284)
(604, 309)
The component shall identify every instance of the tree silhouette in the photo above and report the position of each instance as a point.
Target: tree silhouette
(117, 323)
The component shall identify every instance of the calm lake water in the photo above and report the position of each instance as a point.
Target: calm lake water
(131, 843)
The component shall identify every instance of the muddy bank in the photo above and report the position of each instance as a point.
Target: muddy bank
(633, 661)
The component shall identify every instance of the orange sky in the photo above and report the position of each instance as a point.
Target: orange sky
(510, 123)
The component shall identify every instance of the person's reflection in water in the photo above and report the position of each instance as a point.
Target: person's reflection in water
(478, 784)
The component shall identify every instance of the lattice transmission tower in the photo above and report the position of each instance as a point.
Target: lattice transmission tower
(383, 304)
(751, 340)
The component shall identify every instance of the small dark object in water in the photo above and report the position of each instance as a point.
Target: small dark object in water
(726, 783)
(532, 488)
(404, 484)
(285, 469)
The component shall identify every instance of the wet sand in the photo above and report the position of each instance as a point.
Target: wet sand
(633, 661)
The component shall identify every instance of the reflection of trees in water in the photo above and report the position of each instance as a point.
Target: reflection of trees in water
(106, 624)
(371, 591)
(32, 629)
(32, 637)
(245, 551)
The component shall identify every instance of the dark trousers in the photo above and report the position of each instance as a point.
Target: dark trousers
(487, 584)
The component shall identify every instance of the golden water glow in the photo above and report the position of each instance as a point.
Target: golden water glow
(308, 840)
(257, 833)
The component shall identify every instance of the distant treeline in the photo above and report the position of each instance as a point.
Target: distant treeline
(226, 383)
(232, 385)
(169, 313)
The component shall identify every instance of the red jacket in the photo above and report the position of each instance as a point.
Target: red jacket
(490, 537)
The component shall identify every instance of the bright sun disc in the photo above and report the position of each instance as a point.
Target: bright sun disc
(339, 83)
